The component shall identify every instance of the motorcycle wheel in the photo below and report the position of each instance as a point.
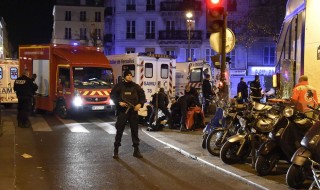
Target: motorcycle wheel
(214, 142)
(265, 164)
(204, 141)
(295, 176)
(228, 153)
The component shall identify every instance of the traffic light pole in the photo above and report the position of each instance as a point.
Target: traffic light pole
(223, 79)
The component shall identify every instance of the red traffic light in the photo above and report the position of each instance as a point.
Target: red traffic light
(213, 3)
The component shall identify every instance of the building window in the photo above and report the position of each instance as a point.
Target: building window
(150, 5)
(150, 29)
(131, 29)
(148, 70)
(170, 25)
(232, 5)
(170, 51)
(82, 15)
(130, 50)
(190, 55)
(67, 33)
(269, 56)
(97, 16)
(164, 71)
(209, 53)
(150, 50)
(232, 56)
(97, 33)
(67, 16)
(131, 5)
(83, 33)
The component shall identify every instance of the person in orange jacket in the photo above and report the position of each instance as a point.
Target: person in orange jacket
(300, 97)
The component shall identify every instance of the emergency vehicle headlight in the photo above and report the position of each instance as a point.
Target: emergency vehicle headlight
(111, 102)
(77, 101)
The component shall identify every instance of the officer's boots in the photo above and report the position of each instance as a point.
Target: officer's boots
(116, 152)
(136, 152)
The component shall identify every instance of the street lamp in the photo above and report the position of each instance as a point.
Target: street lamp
(189, 16)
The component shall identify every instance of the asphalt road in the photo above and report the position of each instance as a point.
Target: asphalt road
(77, 154)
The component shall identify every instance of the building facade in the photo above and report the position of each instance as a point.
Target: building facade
(78, 22)
(161, 26)
(5, 47)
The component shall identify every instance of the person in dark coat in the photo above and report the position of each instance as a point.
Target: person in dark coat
(163, 102)
(128, 97)
(242, 90)
(24, 88)
(207, 93)
(33, 110)
(255, 88)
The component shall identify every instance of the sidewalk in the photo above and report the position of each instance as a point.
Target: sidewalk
(189, 144)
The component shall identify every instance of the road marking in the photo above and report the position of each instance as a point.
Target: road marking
(106, 126)
(73, 126)
(39, 124)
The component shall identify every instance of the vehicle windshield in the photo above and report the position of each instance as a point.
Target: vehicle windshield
(92, 77)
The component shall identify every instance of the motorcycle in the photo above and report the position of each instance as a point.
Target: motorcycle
(281, 144)
(255, 124)
(219, 135)
(299, 169)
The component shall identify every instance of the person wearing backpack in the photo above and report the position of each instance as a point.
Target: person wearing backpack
(163, 102)
(128, 97)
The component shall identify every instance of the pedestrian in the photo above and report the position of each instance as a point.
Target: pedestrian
(163, 102)
(33, 111)
(301, 95)
(255, 88)
(24, 88)
(242, 90)
(128, 97)
(207, 94)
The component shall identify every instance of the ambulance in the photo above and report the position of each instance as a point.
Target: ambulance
(9, 69)
(191, 73)
(150, 71)
(70, 78)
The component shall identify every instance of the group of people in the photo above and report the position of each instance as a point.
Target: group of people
(129, 97)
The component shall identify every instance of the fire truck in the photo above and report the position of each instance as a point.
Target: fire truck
(8, 74)
(70, 78)
(150, 71)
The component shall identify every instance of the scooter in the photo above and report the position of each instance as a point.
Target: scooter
(299, 170)
(255, 123)
(281, 143)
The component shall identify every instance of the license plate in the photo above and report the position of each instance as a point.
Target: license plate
(97, 107)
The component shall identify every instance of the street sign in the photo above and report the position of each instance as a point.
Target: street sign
(230, 41)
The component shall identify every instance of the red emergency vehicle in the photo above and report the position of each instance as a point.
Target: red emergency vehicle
(70, 78)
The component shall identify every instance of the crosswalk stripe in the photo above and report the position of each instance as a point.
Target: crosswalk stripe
(73, 126)
(106, 126)
(39, 124)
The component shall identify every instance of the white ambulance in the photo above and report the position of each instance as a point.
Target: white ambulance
(150, 71)
(8, 74)
(191, 73)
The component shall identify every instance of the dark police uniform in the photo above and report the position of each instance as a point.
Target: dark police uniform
(24, 88)
(127, 92)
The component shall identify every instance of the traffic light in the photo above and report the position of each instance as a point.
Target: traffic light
(215, 13)
(215, 59)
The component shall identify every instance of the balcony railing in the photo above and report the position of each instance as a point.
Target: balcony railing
(180, 35)
(180, 6)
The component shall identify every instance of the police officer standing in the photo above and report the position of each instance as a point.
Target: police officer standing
(129, 97)
(24, 88)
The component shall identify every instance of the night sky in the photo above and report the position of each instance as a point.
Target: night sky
(28, 21)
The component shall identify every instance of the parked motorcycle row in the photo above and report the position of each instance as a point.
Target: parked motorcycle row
(267, 133)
